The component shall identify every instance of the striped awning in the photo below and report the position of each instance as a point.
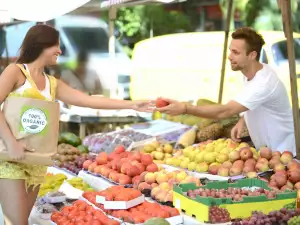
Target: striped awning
(122, 3)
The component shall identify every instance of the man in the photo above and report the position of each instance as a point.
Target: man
(263, 103)
(83, 78)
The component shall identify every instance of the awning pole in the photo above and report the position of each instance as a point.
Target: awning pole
(112, 42)
(227, 29)
(285, 6)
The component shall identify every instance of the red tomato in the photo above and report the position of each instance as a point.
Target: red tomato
(79, 222)
(66, 209)
(96, 222)
(88, 218)
(56, 216)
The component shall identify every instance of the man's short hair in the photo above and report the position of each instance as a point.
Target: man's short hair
(254, 41)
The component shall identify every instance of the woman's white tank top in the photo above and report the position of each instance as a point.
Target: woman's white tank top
(46, 92)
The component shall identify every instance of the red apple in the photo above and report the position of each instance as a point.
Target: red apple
(161, 103)
(266, 153)
(246, 153)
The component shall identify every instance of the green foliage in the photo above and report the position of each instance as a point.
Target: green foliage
(264, 14)
(139, 20)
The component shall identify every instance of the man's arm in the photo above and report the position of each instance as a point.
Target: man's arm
(216, 111)
(207, 111)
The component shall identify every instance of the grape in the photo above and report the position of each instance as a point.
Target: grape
(218, 215)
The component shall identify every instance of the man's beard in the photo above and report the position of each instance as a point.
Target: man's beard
(236, 68)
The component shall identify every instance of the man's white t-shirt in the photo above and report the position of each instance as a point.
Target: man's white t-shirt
(270, 118)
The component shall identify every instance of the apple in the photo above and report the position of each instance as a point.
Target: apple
(246, 153)
(262, 167)
(279, 167)
(223, 171)
(266, 153)
(235, 170)
(286, 157)
(234, 156)
(227, 164)
(273, 162)
(119, 149)
(146, 159)
(294, 176)
(150, 178)
(238, 163)
(250, 162)
(248, 168)
(159, 103)
(152, 168)
(293, 165)
(213, 169)
(161, 177)
(86, 164)
(276, 154)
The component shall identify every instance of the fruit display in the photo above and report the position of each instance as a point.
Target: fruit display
(137, 214)
(119, 193)
(236, 194)
(78, 183)
(159, 185)
(106, 142)
(239, 198)
(120, 166)
(81, 212)
(280, 217)
(158, 151)
(51, 184)
(226, 158)
(218, 215)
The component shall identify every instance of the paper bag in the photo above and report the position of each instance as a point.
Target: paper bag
(34, 123)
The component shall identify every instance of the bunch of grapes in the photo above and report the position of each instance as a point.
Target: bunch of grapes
(218, 215)
(280, 217)
(294, 220)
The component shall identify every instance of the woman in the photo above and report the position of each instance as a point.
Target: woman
(19, 183)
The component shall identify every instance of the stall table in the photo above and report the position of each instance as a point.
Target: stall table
(106, 118)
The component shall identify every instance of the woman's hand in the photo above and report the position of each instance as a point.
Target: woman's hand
(174, 108)
(144, 106)
(16, 150)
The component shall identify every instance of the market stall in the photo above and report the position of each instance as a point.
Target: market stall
(171, 171)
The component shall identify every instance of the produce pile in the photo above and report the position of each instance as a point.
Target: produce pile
(236, 194)
(281, 217)
(107, 142)
(120, 166)
(137, 214)
(119, 193)
(51, 183)
(226, 158)
(159, 185)
(158, 151)
(81, 212)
